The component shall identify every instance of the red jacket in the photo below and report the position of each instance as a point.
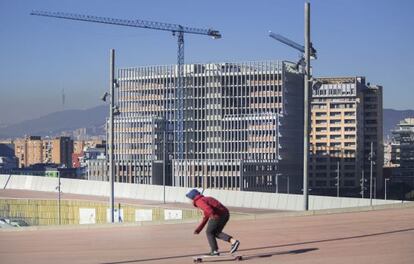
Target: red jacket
(210, 207)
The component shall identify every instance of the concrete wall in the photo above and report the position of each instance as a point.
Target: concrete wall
(274, 201)
(45, 212)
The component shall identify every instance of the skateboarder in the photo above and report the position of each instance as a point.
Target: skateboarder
(217, 216)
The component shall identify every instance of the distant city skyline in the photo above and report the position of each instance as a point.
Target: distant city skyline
(43, 56)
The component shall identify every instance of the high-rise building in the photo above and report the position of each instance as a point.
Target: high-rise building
(241, 129)
(346, 116)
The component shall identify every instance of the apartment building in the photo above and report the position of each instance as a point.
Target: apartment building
(346, 116)
(29, 151)
(33, 150)
(241, 126)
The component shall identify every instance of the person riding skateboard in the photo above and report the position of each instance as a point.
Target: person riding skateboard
(217, 215)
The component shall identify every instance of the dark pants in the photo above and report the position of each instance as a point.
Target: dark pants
(215, 228)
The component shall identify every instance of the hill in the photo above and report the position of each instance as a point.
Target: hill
(55, 123)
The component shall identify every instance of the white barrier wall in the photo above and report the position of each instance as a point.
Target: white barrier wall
(177, 194)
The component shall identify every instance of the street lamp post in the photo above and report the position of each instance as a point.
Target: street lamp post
(337, 179)
(307, 52)
(113, 110)
(306, 109)
(385, 186)
(164, 163)
(370, 179)
(59, 198)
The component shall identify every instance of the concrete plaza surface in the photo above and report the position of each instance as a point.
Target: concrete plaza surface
(380, 236)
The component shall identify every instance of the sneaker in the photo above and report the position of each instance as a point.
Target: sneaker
(235, 246)
(214, 253)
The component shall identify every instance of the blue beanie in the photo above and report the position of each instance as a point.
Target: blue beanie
(192, 194)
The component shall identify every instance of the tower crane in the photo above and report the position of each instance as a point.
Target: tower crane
(176, 29)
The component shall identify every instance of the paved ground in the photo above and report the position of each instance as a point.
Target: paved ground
(383, 236)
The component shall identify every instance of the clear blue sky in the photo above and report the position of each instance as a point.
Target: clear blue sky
(41, 56)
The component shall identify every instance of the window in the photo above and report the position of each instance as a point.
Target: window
(320, 122)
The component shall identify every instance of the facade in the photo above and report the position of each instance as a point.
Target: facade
(62, 149)
(29, 151)
(80, 145)
(402, 149)
(346, 116)
(241, 126)
(76, 159)
(93, 164)
(373, 132)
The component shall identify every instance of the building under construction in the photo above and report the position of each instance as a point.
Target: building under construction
(241, 126)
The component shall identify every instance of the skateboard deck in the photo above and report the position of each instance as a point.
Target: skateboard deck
(223, 256)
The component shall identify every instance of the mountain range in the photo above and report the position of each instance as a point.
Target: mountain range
(93, 120)
(56, 123)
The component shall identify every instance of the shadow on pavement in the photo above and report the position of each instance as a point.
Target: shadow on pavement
(245, 257)
(263, 255)
(276, 253)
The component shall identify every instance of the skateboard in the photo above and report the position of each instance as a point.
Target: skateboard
(222, 256)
